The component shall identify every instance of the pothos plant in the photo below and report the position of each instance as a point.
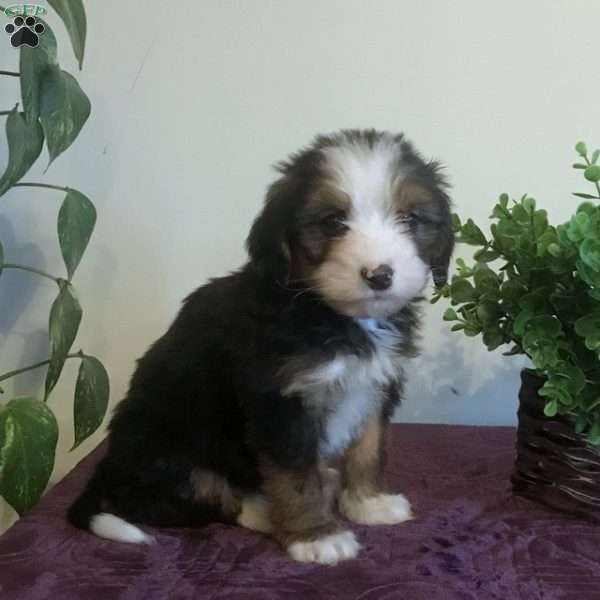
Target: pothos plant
(54, 110)
(537, 287)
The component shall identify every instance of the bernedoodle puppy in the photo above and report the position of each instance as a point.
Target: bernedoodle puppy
(266, 401)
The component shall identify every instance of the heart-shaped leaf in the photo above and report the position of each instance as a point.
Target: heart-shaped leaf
(76, 221)
(33, 65)
(91, 398)
(65, 317)
(25, 141)
(72, 13)
(64, 109)
(28, 436)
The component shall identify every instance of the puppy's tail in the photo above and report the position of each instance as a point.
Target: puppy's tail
(86, 513)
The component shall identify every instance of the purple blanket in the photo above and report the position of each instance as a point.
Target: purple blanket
(471, 540)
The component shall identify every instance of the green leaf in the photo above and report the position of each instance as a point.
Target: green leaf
(72, 13)
(76, 221)
(578, 226)
(485, 256)
(540, 222)
(461, 290)
(588, 325)
(493, 339)
(472, 330)
(503, 200)
(520, 214)
(456, 224)
(471, 234)
(512, 290)
(589, 252)
(457, 327)
(521, 321)
(28, 437)
(543, 350)
(33, 65)
(25, 141)
(488, 312)
(528, 204)
(581, 148)
(595, 156)
(91, 398)
(507, 228)
(450, 315)
(592, 173)
(579, 166)
(551, 408)
(553, 249)
(64, 109)
(586, 196)
(544, 325)
(65, 317)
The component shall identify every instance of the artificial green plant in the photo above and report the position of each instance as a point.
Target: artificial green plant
(537, 287)
(53, 110)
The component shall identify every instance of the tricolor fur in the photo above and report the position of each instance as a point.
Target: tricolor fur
(266, 401)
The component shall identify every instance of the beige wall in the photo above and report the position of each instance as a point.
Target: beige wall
(194, 100)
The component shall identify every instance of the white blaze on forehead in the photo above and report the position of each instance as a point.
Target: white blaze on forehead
(367, 174)
(370, 177)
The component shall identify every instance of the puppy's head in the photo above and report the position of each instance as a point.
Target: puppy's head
(360, 219)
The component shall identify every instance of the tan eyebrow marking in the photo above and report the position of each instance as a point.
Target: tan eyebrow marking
(327, 194)
(409, 194)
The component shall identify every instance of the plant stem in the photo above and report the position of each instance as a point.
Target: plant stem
(10, 374)
(3, 113)
(31, 270)
(42, 185)
(10, 73)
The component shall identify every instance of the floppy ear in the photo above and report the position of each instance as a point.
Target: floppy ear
(268, 242)
(426, 194)
(441, 261)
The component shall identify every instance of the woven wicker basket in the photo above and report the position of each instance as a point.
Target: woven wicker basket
(554, 466)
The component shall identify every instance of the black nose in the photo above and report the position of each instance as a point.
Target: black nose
(379, 278)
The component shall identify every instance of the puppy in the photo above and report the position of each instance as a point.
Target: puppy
(266, 401)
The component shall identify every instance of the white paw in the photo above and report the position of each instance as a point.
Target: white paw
(327, 550)
(255, 514)
(383, 509)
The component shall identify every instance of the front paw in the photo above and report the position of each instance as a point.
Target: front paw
(327, 550)
(382, 509)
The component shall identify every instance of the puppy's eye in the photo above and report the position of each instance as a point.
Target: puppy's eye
(334, 224)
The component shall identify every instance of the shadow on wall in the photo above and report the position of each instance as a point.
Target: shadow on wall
(17, 292)
(461, 382)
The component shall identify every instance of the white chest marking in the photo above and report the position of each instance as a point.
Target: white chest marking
(346, 391)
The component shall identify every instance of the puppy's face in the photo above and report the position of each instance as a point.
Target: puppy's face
(359, 219)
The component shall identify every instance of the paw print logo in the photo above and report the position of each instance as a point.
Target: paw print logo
(25, 31)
